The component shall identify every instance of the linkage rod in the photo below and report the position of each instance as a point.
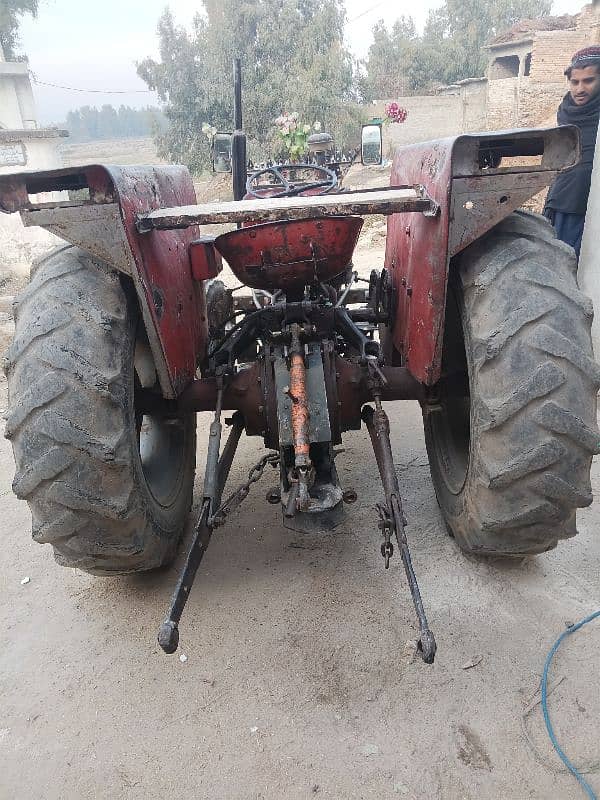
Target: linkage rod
(168, 635)
(378, 425)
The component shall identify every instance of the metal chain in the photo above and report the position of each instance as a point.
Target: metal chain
(240, 494)
(386, 527)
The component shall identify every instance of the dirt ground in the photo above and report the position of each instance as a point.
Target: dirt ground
(301, 678)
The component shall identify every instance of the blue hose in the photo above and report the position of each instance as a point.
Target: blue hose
(563, 757)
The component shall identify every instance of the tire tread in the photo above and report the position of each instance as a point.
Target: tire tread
(533, 384)
(69, 415)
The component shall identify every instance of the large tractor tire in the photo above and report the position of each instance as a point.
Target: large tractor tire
(512, 431)
(108, 488)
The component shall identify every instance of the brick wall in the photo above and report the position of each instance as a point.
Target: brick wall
(589, 20)
(502, 104)
(479, 105)
(523, 103)
(532, 101)
(552, 51)
(538, 103)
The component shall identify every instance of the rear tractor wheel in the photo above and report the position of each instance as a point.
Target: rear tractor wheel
(512, 427)
(109, 487)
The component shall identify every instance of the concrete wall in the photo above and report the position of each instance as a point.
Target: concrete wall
(23, 146)
(429, 117)
(21, 150)
(14, 88)
(502, 103)
(20, 245)
(26, 102)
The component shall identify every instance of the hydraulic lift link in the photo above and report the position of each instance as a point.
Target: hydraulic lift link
(378, 425)
(215, 476)
(300, 422)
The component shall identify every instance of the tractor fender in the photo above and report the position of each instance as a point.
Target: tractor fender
(102, 221)
(476, 180)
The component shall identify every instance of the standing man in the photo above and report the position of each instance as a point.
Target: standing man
(567, 199)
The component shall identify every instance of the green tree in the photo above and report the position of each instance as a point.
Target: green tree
(293, 59)
(389, 60)
(450, 49)
(86, 123)
(11, 12)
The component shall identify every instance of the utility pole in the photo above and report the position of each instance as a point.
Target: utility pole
(238, 142)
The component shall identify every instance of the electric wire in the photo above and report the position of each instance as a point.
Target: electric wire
(364, 13)
(92, 91)
(544, 689)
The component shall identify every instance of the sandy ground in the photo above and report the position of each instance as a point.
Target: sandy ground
(301, 678)
(110, 151)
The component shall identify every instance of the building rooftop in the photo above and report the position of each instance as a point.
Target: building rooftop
(526, 28)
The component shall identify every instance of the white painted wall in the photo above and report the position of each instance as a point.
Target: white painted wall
(17, 107)
(26, 102)
(10, 113)
(589, 260)
(42, 153)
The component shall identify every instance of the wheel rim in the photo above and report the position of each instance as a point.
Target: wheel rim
(162, 449)
(450, 422)
(162, 456)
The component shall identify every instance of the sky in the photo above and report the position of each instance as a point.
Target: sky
(87, 45)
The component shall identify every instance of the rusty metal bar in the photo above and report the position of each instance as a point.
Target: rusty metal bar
(300, 416)
(243, 391)
(384, 201)
(401, 385)
(378, 425)
(215, 478)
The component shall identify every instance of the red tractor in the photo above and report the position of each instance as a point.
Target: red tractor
(124, 334)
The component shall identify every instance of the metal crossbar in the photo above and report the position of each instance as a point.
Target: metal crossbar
(385, 201)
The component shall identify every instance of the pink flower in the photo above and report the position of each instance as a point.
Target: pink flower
(395, 113)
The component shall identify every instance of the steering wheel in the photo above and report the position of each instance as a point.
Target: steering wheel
(290, 189)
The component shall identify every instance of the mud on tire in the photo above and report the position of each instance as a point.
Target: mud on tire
(110, 492)
(510, 452)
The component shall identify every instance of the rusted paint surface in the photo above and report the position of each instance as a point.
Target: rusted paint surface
(480, 202)
(175, 302)
(416, 257)
(205, 260)
(387, 201)
(465, 176)
(172, 303)
(298, 395)
(96, 228)
(15, 188)
(290, 254)
(248, 392)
